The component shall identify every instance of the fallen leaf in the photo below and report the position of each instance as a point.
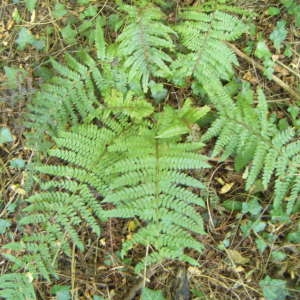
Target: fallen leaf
(102, 242)
(237, 257)
(194, 271)
(248, 76)
(18, 190)
(220, 180)
(239, 269)
(226, 188)
(132, 225)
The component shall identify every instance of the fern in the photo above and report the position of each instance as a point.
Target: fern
(142, 42)
(62, 205)
(221, 5)
(150, 184)
(73, 95)
(248, 133)
(208, 58)
(107, 144)
(144, 48)
(65, 101)
(125, 157)
(17, 287)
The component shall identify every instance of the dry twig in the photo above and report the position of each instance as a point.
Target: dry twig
(260, 67)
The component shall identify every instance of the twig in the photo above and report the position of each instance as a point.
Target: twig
(260, 67)
(288, 68)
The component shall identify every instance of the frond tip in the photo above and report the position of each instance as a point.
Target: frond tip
(142, 44)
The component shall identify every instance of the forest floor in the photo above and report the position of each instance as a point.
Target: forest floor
(232, 264)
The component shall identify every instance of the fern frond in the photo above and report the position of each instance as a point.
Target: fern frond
(152, 186)
(66, 100)
(209, 57)
(72, 198)
(248, 133)
(38, 252)
(16, 286)
(142, 44)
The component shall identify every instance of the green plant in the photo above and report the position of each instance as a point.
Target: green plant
(141, 174)
(249, 133)
(142, 43)
(70, 96)
(293, 8)
(102, 142)
(273, 289)
(207, 59)
(17, 286)
(150, 183)
(263, 52)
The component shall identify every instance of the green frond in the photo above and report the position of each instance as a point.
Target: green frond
(38, 254)
(143, 42)
(168, 243)
(17, 286)
(257, 164)
(269, 166)
(209, 57)
(152, 186)
(66, 100)
(218, 24)
(294, 198)
(247, 132)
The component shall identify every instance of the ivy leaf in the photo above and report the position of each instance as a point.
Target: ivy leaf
(59, 10)
(252, 207)
(158, 92)
(232, 205)
(261, 245)
(62, 292)
(279, 34)
(148, 294)
(115, 22)
(273, 11)
(38, 44)
(25, 38)
(30, 4)
(90, 11)
(258, 226)
(63, 295)
(17, 163)
(5, 136)
(262, 51)
(69, 34)
(294, 237)
(273, 289)
(278, 256)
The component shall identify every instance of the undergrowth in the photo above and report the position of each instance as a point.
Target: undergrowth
(108, 145)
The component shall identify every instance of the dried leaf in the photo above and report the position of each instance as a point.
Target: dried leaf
(237, 257)
(226, 188)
